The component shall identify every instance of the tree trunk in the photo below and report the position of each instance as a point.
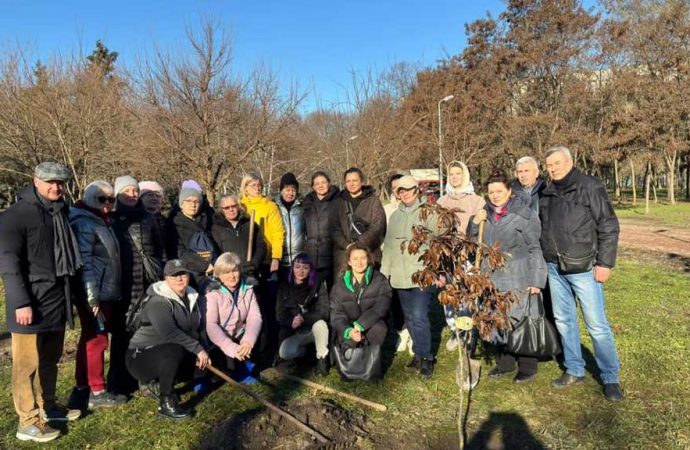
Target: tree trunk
(687, 176)
(655, 183)
(647, 183)
(634, 182)
(616, 180)
(671, 185)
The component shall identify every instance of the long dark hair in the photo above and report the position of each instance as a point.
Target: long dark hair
(303, 258)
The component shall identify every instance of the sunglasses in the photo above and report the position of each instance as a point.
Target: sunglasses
(102, 199)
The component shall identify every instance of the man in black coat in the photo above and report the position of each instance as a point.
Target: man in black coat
(38, 254)
(529, 183)
(579, 240)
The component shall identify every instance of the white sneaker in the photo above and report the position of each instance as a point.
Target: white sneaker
(38, 432)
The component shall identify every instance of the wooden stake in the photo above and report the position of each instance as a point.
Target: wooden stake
(480, 238)
(289, 417)
(321, 387)
(251, 237)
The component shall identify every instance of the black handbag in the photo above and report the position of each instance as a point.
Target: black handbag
(153, 271)
(575, 264)
(534, 335)
(359, 363)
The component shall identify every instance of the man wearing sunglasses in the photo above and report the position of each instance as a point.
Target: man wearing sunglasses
(38, 254)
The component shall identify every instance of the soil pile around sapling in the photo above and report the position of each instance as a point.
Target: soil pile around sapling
(265, 429)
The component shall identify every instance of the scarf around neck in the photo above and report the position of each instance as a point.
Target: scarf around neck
(65, 247)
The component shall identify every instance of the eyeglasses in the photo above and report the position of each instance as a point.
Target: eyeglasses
(192, 202)
(102, 199)
(226, 207)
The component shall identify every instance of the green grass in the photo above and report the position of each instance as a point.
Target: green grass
(678, 214)
(649, 312)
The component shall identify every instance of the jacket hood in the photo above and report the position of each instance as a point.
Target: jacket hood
(467, 187)
(367, 191)
(162, 289)
(81, 213)
(28, 194)
(311, 197)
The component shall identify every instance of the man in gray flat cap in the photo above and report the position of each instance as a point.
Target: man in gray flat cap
(38, 254)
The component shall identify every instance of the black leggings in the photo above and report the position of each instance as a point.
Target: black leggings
(166, 363)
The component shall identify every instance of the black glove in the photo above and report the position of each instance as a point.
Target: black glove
(248, 268)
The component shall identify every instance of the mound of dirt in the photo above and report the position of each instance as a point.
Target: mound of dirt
(264, 429)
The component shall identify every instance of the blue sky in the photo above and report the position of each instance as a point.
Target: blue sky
(316, 43)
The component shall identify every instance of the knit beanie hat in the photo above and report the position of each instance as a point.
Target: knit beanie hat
(124, 181)
(95, 189)
(150, 186)
(191, 184)
(187, 192)
(289, 179)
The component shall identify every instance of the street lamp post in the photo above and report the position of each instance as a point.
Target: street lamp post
(347, 150)
(440, 143)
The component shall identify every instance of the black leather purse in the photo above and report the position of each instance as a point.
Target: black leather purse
(534, 335)
(359, 363)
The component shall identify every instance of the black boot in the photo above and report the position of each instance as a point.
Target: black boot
(170, 408)
(414, 363)
(426, 368)
(322, 366)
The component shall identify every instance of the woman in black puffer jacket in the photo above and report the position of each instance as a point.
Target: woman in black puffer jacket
(360, 302)
(96, 294)
(188, 236)
(317, 206)
(134, 228)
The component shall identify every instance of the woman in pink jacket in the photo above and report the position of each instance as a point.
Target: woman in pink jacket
(233, 318)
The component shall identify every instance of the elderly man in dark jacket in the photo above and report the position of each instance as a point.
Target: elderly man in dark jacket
(579, 240)
(38, 254)
(529, 183)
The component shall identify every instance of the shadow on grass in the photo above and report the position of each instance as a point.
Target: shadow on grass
(505, 431)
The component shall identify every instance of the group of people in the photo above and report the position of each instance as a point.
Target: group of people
(258, 281)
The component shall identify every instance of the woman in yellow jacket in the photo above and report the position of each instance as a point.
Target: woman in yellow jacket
(267, 216)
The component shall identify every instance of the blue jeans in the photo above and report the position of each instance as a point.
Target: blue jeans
(591, 296)
(415, 304)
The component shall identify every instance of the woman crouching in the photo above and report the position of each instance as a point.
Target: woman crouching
(167, 344)
(360, 302)
(233, 318)
(302, 311)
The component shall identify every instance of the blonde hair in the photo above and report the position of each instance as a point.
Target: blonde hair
(246, 179)
(227, 262)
